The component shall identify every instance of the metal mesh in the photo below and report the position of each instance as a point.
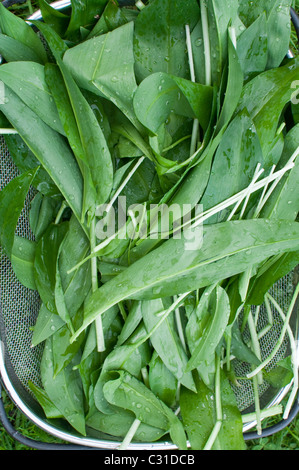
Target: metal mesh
(20, 307)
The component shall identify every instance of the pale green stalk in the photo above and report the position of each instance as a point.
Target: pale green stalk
(266, 413)
(219, 416)
(281, 337)
(195, 130)
(295, 364)
(130, 435)
(206, 41)
(255, 344)
(94, 286)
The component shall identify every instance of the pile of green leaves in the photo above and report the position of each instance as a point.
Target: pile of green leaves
(174, 102)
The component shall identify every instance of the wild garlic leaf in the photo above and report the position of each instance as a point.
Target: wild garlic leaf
(65, 390)
(224, 253)
(104, 65)
(166, 341)
(161, 94)
(49, 148)
(45, 262)
(265, 97)
(22, 260)
(27, 80)
(160, 37)
(16, 28)
(12, 200)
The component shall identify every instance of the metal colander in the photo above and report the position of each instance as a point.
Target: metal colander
(20, 363)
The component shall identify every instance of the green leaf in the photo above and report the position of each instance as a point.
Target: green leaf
(46, 325)
(112, 18)
(265, 98)
(199, 417)
(160, 37)
(12, 200)
(283, 203)
(27, 80)
(85, 136)
(166, 341)
(106, 68)
(162, 382)
(172, 270)
(45, 263)
(269, 274)
(49, 148)
(22, 260)
(41, 215)
(65, 390)
(129, 393)
(15, 27)
(252, 47)
(161, 94)
(54, 17)
(213, 331)
(279, 32)
(234, 163)
(13, 50)
(83, 14)
(25, 160)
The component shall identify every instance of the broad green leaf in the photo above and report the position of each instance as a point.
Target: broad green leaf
(85, 136)
(166, 342)
(42, 214)
(47, 323)
(199, 417)
(53, 17)
(22, 260)
(161, 94)
(76, 284)
(162, 382)
(25, 160)
(124, 357)
(12, 200)
(160, 37)
(45, 261)
(213, 330)
(279, 32)
(172, 269)
(219, 20)
(129, 393)
(49, 408)
(13, 50)
(269, 274)
(119, 423)
(15, 27)
(65, 390)
(82, 14)
(252, 47)
(284, 200)
(233, 90)
(27, 80)
(235, 162)
(265, 98)
(106, 67)
(49, 148)
(111, 18)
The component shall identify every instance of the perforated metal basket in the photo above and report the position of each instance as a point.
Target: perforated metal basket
(19, 363)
